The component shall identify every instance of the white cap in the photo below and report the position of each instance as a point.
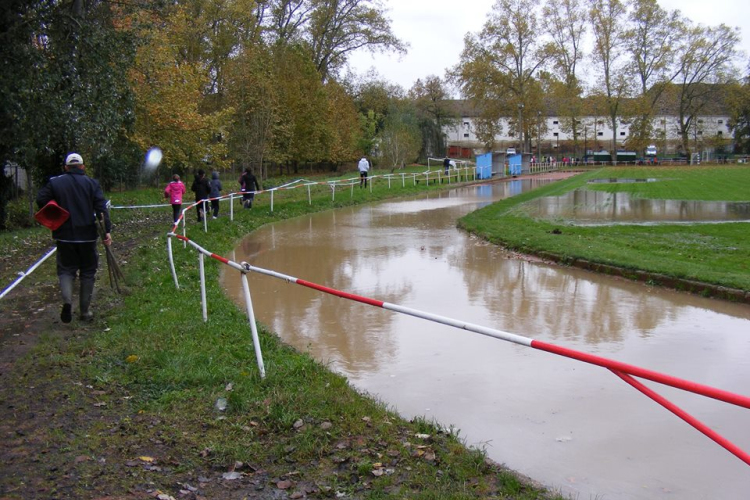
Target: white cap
(74, 159)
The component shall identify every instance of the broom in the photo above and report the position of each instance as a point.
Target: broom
(115, 275)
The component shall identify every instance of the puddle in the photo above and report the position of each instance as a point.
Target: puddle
(588, 207)
(618, 180)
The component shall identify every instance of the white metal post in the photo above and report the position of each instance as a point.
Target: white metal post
(171, 262)
(205, 218)
(203, 286)
(253, 326)
(231, 206)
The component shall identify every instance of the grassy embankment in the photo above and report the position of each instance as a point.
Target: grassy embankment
(710, 253)
(150, 356)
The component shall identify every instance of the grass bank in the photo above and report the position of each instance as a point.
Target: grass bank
(707, 253)
(151, 400)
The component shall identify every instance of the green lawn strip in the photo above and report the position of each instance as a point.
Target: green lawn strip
(302, 421)
(704, 183)
(710, 253)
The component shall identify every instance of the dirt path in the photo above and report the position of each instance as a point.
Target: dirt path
(62, 437)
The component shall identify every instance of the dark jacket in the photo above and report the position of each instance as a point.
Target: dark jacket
(248, 182)
(200, 187)
(216, 186)
(80, 195)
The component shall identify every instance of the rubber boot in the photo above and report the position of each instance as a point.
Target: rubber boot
(87, 292)
(66, 287)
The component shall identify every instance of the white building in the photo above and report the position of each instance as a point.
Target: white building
(595, 133)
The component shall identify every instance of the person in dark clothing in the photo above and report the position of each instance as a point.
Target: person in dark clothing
(201, 188)
(76, 238)
(248, 186)
(216, 188)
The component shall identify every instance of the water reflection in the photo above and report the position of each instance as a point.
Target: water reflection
(585, 206)
(571, 426)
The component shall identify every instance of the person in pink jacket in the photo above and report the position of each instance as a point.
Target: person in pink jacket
(173, 192)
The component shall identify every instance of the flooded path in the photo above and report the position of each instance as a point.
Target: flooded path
(574, 427)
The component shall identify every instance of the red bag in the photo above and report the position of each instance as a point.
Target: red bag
(52, 215)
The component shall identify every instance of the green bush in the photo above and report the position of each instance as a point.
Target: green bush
(17, 214)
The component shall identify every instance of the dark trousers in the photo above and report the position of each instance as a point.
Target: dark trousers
(73, 258)
(176, 209)
(215, 207)
(362, 179)
(199, 209)
(247, 200)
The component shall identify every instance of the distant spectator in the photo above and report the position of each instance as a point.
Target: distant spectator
(215, 193)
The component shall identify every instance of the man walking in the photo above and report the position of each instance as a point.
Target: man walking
(76, 238)
(248, 186)
(363, 167)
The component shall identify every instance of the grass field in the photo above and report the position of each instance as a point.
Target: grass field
(712, 253)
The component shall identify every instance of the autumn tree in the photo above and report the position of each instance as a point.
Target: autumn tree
(498, 68)
(302, 106)
(740, 119)
(607, 18)
(374, 98)
(339, 27)
(284, 21)
(566, 22)
(169, 90)
(652, 36)
(254, 123)
(431, 99)
(343, 124)
(401, 138)
(705, 61)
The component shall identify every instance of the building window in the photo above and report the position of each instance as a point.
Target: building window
(721, 122)
(466, 124)
(700, 132)
(622, 133)
(555, 122)
(466, 135)
(600, 133)
(555, 134)
(719, 133)
(700, 121)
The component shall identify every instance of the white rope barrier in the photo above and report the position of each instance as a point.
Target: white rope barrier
(22, 275)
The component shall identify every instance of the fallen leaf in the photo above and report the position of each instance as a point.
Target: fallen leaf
(231, 476)
(299, 423)
(146, 459)
(284, 484)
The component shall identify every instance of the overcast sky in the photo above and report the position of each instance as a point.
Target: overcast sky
(435, 30)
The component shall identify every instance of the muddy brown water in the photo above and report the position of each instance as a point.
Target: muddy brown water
(576, 428)
(583, 206)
